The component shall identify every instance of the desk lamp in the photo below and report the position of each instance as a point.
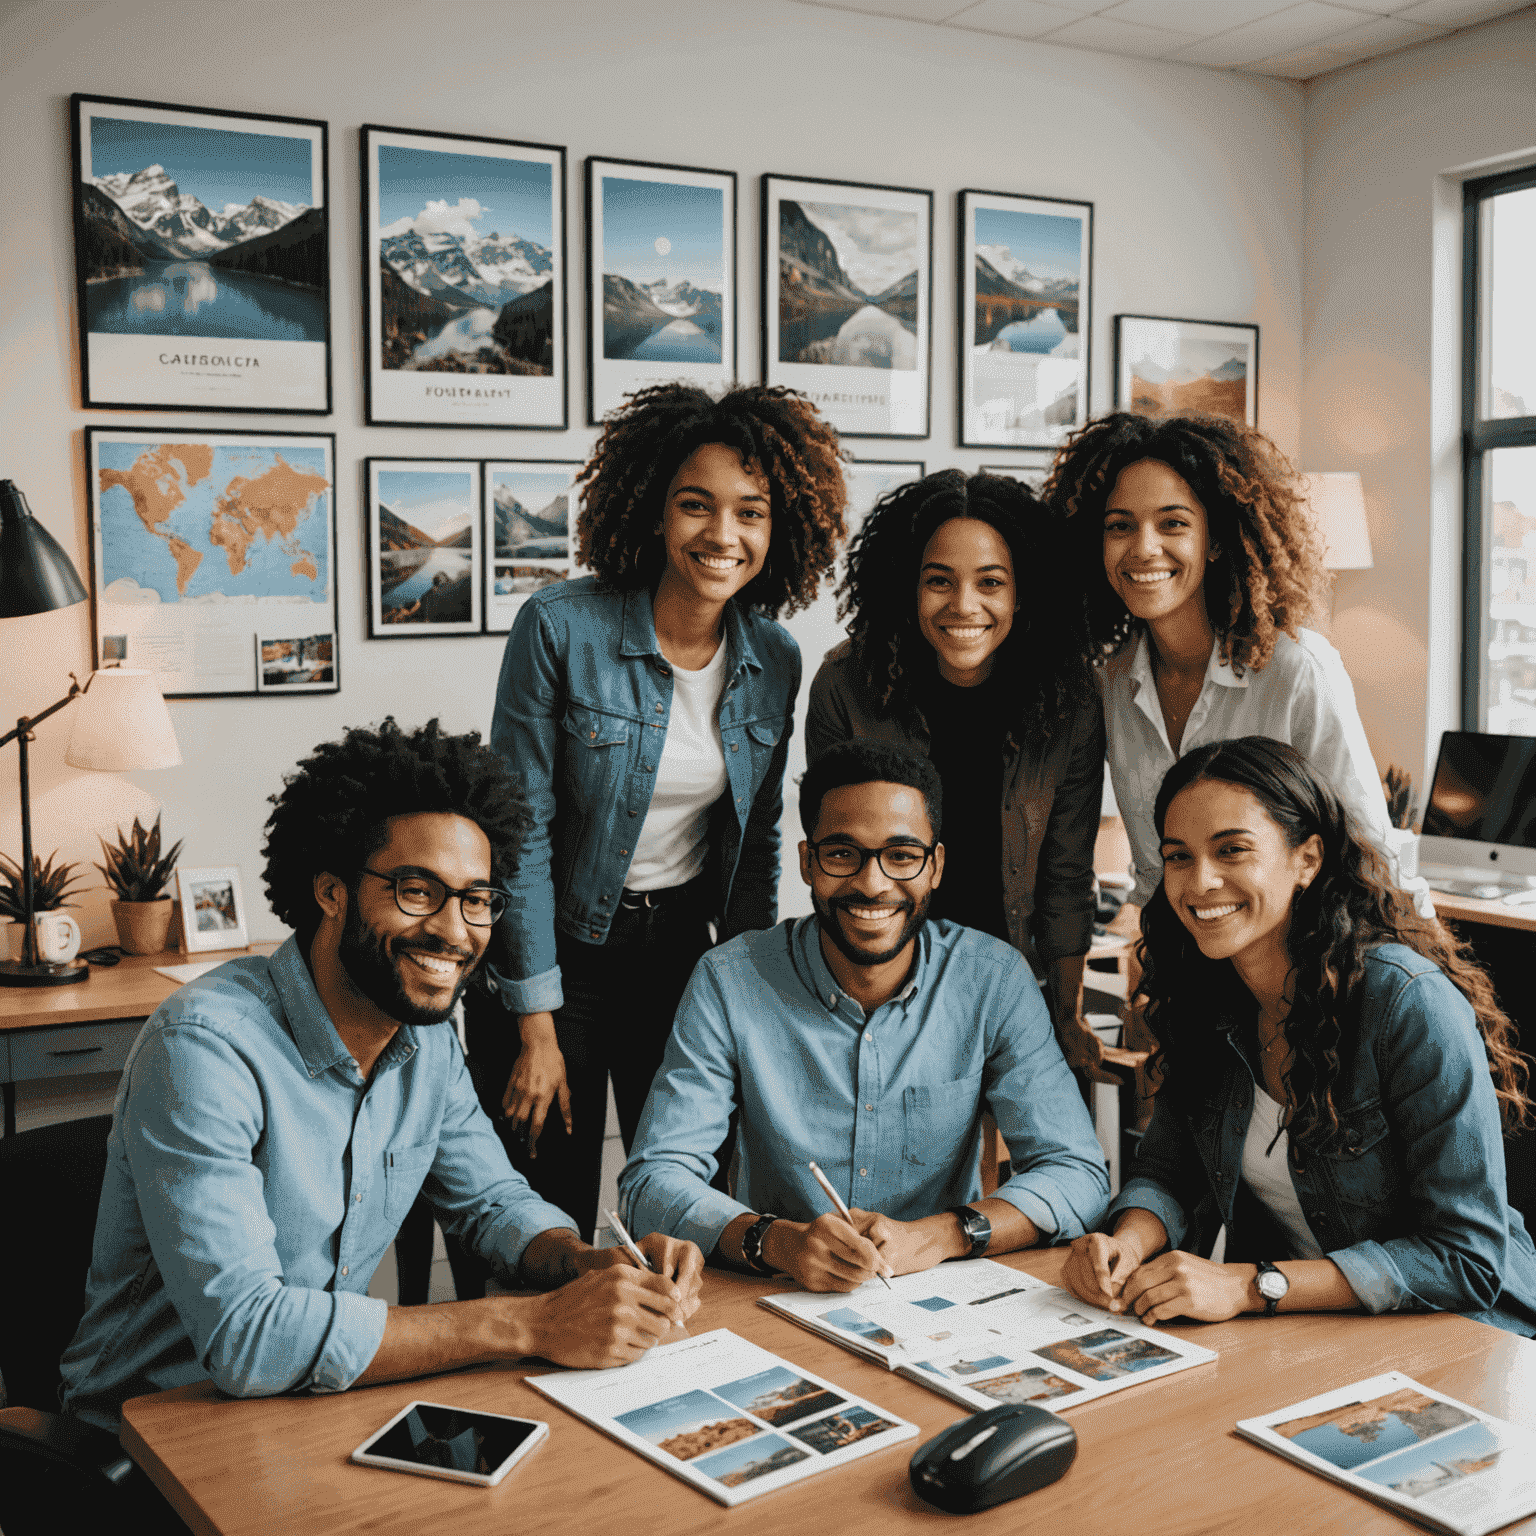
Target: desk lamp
(122, 721)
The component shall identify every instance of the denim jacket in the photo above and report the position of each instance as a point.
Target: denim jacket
(581, 716)
(1410, 1203)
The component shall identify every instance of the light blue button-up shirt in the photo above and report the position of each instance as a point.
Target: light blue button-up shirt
(254, 1181)
(888, 1103)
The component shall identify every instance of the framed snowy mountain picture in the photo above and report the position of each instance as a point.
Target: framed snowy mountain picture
(1025, 286)
(202, 258)
(464, 317)
(661, 279)
(1169, 367)
(848, 301)
(530, 527)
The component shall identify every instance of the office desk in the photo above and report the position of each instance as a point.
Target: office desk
(48, 1032)
(1157, 1458)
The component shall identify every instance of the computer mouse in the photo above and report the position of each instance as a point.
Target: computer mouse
(993, 1456)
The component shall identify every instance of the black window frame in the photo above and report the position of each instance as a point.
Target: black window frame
(1479, 436)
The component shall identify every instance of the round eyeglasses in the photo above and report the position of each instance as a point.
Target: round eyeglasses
(426, 896)
(842, 861)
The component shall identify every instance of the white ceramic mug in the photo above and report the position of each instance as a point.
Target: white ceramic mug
(58, 938)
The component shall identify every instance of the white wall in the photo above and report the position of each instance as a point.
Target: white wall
(1196, 178)
(1387, 145)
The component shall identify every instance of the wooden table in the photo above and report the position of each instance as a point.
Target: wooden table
(1161, 1457)
(48, 1032)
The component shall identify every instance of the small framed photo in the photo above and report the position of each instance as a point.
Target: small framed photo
(848, 301)
(424, 547)
(289, 663)
(530, 515)
(1025, 287)
(1167, 367)
(212, 909)
(1032, 472)
(867, 480)
(661, 279)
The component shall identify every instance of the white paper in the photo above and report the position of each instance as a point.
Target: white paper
(726, 1416)
(182, 974)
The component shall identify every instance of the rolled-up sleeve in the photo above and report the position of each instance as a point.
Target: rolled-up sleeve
(191, 1124)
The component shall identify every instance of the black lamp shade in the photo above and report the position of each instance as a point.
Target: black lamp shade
(36, 576)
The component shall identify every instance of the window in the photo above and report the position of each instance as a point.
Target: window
(1498, 419)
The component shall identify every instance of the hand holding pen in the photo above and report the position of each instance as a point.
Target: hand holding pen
(843, 1211)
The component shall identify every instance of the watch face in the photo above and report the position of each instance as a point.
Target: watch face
(1273, 1285)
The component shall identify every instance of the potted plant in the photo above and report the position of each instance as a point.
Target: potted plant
(136, 870)
(51, 883)
(1402, 811)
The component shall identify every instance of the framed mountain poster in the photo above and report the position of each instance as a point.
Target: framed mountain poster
(424, 547)
(463, 281)
(1167, 367)
(530, 526)
(202, 258)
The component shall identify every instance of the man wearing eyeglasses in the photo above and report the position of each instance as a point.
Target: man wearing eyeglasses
(277, 1118)
(866, 1039)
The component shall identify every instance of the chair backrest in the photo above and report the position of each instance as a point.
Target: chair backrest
(50, 1188)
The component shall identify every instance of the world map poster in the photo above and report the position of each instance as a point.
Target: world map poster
(213, 559)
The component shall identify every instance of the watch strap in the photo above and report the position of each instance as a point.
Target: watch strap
(975, 1226)
(752, 1245)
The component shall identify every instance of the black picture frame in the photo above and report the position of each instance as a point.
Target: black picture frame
(849, 397)
(609, 379)
(1206, 394)
(467, 583)
(510, 398)
(117, 625)
(195, 269)
(499, 611)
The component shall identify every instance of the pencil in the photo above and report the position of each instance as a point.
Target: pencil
(837, 1200)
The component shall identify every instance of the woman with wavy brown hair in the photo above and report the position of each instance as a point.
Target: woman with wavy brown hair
(647, 710)
(1336, 1075)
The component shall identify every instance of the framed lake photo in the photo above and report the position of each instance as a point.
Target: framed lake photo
(207, 545)
(202, 258)
(661, 279)
(1169, 367)
(530, 523)
(1025, 289)
(867, 480)
(424, 547)
(1032, 472)
(848, 301)
(464, 308)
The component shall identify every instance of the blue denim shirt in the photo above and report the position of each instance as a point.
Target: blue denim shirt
(581, 717)
(888, 1103)
(1411, 1205)
(254, 1181)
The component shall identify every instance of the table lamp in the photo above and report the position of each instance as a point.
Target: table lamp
(122, 721)
(1338, 505)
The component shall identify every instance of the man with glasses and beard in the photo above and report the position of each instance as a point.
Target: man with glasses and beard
(277, 1118)
(866, 1039)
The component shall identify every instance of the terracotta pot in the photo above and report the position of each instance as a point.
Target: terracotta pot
(142, 926)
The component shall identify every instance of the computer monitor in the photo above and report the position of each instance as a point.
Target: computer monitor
(1482, 806)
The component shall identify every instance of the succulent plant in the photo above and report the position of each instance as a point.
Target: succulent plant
(1402, 802)
(51, 883)
(134, 868)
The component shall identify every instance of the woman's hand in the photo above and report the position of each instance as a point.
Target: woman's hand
(1181, 1285)
(537, 1080)
(1098, 1267)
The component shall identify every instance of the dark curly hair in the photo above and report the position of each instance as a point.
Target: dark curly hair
(1044, 652)
(647, 440)
(1268, 575)
(870, 762)
(334, 808)
(1348, 908)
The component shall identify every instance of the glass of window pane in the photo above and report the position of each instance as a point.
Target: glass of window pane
(1509, 579)
(1511, 312)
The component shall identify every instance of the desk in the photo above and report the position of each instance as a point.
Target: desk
(48, 1032)
(1157, 1458)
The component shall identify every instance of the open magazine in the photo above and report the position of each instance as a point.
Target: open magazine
(984, 1334)
(726, 1416)
(1427, 1455)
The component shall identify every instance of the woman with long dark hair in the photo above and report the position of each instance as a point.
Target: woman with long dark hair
(955, 653)
(1337, 1074)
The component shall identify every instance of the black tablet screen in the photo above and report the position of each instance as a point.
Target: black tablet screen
(433, 1436)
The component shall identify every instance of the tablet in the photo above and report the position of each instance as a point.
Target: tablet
(461, 1444)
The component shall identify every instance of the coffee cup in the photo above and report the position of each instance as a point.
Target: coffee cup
(57, 935)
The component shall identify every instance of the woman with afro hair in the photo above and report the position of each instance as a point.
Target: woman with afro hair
(955, 652)
(646, 710)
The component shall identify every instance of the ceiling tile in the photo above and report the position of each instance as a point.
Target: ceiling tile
(1106, 34)
(912, 10)
(1459, 13)
(1296, 27)
(1013, 18)
(1200, 17)
(1299, 65)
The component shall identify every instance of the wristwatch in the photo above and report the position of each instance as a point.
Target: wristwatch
(752, 1245)
(1272, 1285)
(975, 1227)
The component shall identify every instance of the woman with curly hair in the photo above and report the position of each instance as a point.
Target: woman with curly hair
(1200, 566)
(1334, 1071)
(647, 710)
(945, 657)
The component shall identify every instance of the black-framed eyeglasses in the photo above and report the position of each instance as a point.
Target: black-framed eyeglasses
(899, 861)
(425, 896)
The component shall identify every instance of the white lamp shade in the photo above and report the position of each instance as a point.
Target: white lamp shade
(1338, 504)
(121, 722)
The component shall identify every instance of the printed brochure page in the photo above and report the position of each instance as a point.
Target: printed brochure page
(984, 1334)
(726, 1416)
(1435, 1459)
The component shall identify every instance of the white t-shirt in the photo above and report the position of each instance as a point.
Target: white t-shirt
(690, 777)
(1268, 1175)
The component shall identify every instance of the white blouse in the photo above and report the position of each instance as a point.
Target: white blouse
(1268, 1174)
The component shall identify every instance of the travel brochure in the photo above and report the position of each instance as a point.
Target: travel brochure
(1424, 1454)
(984, 1334)
(726, 1416)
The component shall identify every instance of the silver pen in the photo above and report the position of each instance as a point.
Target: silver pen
(837, 1200)
(617, 1228)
